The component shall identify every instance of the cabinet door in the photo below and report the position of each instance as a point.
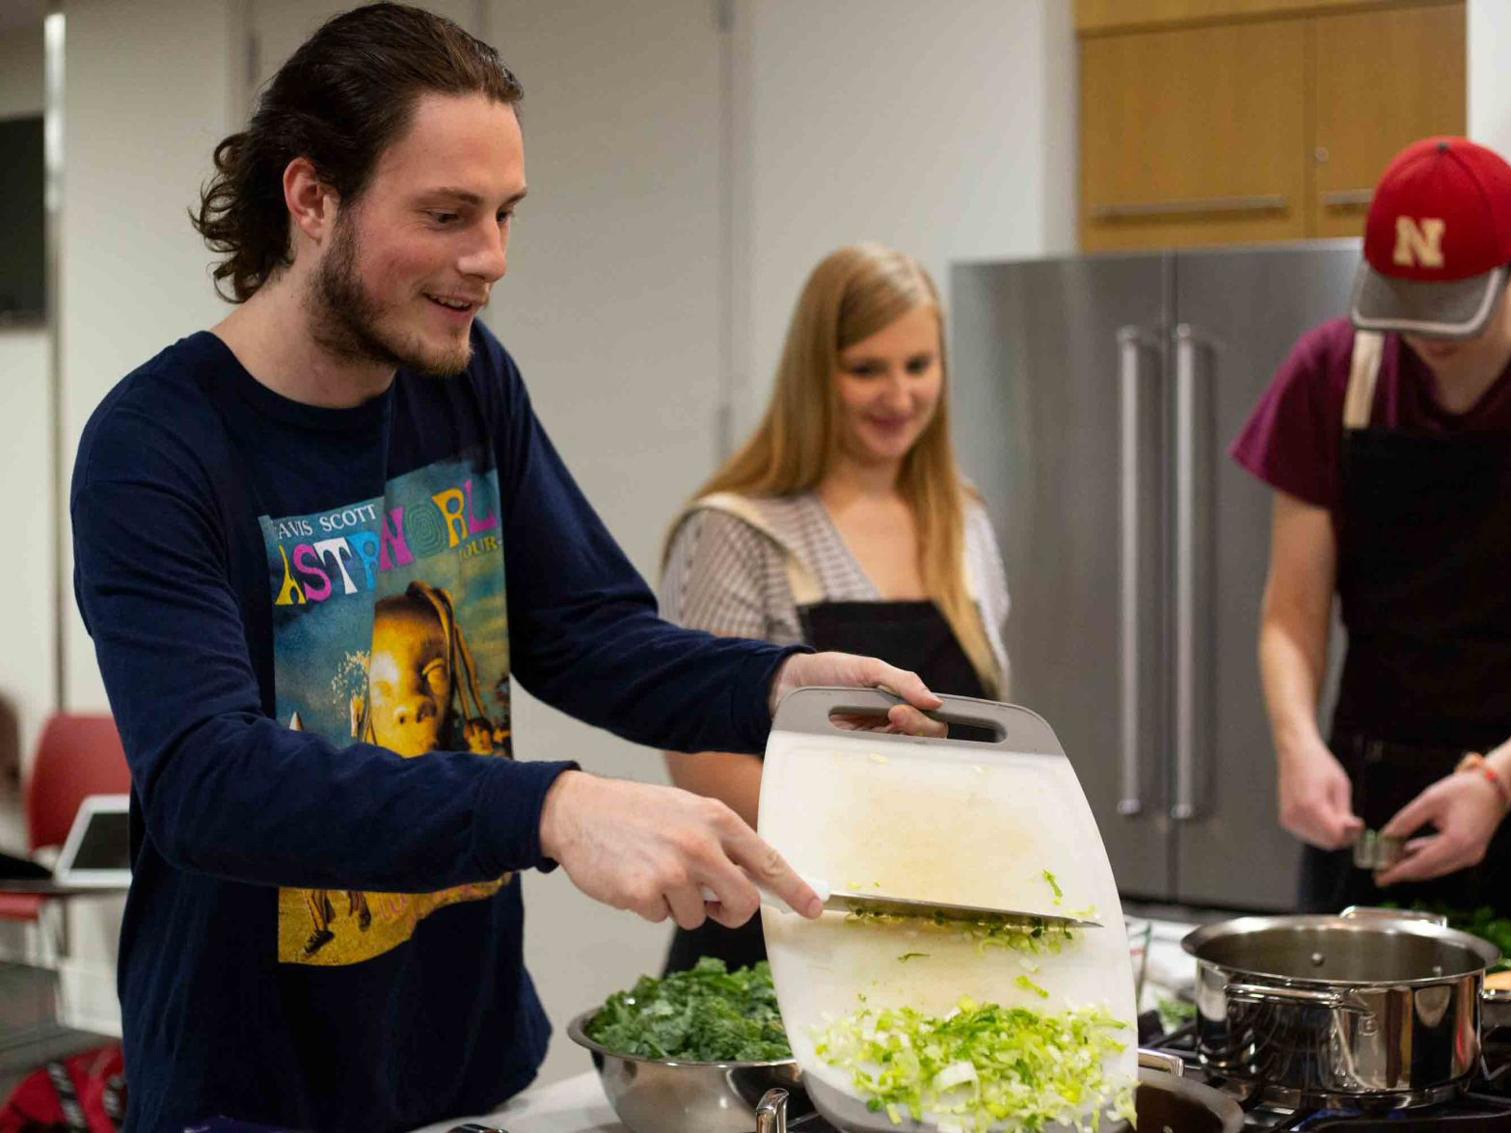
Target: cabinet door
(1195, 136)
(1384, 79)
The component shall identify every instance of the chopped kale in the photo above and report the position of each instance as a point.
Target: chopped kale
(707, 1014)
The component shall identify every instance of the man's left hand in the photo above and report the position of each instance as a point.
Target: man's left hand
(1465, 808)
(803, 670)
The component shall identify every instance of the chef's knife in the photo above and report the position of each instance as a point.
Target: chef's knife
(876, 904)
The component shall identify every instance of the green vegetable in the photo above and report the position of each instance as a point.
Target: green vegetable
(988, 932)
(913, 956)
(1175, 1013)
(1053, 884)
(1027, 984)
(704, 1015)
(981, 1065)
(1483, 922)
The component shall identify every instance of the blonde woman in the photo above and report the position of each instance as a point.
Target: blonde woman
(843, 521)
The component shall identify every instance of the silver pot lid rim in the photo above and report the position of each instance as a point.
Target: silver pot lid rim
(1489, 954)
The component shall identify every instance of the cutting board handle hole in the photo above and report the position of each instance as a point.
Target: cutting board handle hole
(962, 729)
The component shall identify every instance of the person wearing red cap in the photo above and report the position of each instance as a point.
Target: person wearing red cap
(1387, 439)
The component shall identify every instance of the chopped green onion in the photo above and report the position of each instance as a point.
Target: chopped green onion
(981, 1066)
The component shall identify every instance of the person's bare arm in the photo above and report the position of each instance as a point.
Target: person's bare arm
(733, 779)
(1293, 627)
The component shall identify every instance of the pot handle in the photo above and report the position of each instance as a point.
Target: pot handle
(1161, 1060)
(1375, 912)
(1261, 993)
(771, 1114)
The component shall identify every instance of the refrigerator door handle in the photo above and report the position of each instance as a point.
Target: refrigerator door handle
(1184, 805)
(1131, 340)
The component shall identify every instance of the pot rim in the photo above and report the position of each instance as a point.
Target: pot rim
(1194, 941)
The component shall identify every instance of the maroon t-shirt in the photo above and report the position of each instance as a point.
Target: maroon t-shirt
(1293, 439)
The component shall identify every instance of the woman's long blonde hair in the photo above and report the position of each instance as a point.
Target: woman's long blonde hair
(852, 294)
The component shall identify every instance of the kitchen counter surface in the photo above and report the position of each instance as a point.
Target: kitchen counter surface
(573, 1105)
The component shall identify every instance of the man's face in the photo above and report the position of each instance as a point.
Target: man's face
(409, 681)
(1482, 356)
(411, 262)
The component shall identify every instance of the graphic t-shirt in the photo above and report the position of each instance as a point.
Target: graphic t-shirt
(308, 622)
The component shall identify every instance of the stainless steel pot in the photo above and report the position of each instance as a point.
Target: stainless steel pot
(1164, 1101)
(1373, 1008)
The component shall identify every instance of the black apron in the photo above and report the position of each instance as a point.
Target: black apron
(910, 635)
(1424, 579)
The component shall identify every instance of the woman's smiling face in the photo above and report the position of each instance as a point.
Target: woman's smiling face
(888, 387)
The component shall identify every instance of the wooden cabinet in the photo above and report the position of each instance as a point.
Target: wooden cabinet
(1193, 136)
(1384, 79)
(1243, 131)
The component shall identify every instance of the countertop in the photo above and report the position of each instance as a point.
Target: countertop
(573, 1105)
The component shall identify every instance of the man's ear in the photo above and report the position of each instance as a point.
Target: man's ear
(312, 204)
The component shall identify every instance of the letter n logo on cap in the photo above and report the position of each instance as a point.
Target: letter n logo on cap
(1419, 245)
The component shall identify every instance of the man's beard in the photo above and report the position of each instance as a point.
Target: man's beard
(348, 322)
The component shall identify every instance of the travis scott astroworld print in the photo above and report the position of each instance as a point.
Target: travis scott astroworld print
(390, 627)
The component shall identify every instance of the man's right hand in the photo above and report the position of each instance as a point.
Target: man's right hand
(1315, 798)
(654, 850)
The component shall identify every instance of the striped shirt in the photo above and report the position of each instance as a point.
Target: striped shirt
(728, 577)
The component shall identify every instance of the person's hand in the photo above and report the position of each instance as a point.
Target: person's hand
(1465, 808)
(656, 850)
(1314, 798)
(803, 670)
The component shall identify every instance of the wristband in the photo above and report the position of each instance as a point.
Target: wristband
(1475, 763)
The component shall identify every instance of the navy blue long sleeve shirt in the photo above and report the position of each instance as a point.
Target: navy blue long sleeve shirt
(291, 606)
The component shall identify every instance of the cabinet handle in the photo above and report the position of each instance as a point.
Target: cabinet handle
(1177, 208)
(1347, 198)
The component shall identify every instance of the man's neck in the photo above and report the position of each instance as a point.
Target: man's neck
(1459, 388)
(271, 337)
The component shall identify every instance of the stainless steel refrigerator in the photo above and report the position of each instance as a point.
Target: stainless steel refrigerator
(1094, 399)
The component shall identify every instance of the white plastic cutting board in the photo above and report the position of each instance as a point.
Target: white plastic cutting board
(949, 821)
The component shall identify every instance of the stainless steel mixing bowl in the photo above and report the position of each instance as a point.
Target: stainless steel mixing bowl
(653, 1095)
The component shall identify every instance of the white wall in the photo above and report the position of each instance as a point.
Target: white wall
(26, 669)
(21, 90)
(26, 661)
(148, 85)
(1489, 39)
(944, 130)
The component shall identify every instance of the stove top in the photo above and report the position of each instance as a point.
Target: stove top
(1485, 1105)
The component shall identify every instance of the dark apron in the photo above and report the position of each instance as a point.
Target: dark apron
(1424, 578)
(910, 635)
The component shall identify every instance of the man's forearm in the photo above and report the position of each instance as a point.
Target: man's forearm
(1291, 663)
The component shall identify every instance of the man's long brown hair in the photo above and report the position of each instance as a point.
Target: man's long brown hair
(852, 294)
(340, 100)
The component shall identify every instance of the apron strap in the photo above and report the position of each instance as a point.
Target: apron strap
(805, 588)
(1363, 369)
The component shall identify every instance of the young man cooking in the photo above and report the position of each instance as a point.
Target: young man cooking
(322, 932)
(1387, 439)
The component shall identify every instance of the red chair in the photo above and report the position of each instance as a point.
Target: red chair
(77, 756)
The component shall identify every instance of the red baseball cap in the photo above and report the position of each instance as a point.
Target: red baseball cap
(1437, 241)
